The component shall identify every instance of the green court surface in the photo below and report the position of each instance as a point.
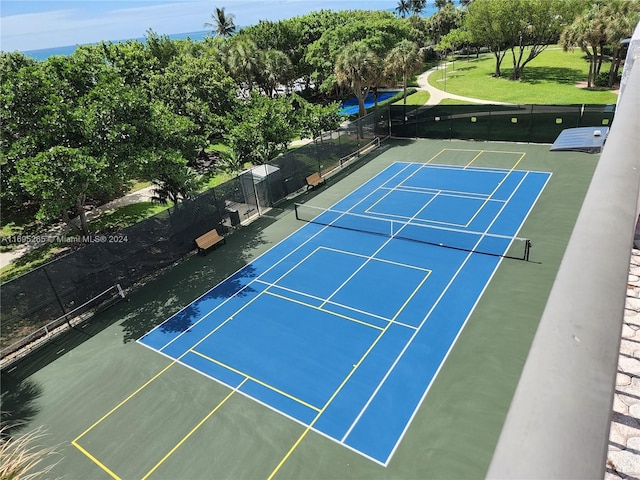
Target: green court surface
(116, 409)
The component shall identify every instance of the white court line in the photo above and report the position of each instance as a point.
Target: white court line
(449, 193)
(411, 339)
(320, 299)
(377, 259)
(336, 304)
(424, 395)
(266, 271)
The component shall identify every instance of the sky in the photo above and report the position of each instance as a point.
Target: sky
(36, 24)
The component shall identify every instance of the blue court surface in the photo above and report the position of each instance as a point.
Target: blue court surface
(344, 325)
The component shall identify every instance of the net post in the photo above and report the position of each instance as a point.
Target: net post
(527, 249)
(295, 207)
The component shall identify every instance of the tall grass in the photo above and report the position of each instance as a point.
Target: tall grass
(22, 457)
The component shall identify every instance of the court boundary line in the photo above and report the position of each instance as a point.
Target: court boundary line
(341, 386)
(340, 305)
(422, 323)
(270, 268)
(174, 360)
(389, 167)
(359, 362)
(424, 395)
(177, 359)
(449, 193)
(335, 314)
(255, 380)
(193, 430)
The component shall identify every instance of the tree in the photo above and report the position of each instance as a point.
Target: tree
(198, 89)
(231, 161)
(355, 67)
(417, 6)
(405, 60)
(244, 61)
(440, 4)
(621, 17)
(490, 24)
(160, 47)
(403, 8)
(589, 34)
(222, 23)
(174, 181)
(61, 179)
(313, 119)
(538, 24)
(263, 128)
(274, 69)
(446, 19)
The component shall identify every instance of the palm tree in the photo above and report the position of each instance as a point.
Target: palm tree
(589, 34)
(403, 8)
(231, 161)
(275, 69)
(620, 17)
(417, 6)
(223, 23)
(355, 67)
(175, 183)
(404, 59)
(244, 61)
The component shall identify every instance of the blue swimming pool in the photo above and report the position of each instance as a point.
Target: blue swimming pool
(350, 107)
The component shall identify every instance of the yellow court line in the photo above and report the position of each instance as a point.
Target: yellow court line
(474, 158)
(415, 290)
(349, 375)
(323, 310)
(95, 460)
(124, 401)
(475, 150)
(253, 379)
(186, 437)
(436, 155)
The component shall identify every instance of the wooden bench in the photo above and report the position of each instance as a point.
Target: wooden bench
(314, 180)
(208, 240)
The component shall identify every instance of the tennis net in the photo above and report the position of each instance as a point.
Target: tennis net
(476, 242)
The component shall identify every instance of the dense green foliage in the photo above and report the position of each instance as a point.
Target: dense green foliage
(77, 130)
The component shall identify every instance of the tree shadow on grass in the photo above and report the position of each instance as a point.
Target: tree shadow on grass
(562, 75)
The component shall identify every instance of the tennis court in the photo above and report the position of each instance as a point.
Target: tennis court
(346, 343)
(343, 326)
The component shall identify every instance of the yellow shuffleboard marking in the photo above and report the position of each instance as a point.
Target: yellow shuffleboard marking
(344, 382)
(95, 460)
(192, 431)
(253, 379)
(324, 310)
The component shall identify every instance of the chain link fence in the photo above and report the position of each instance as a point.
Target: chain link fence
(128, 256)
(495, 123)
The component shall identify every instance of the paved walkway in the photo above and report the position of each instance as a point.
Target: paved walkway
(436, 95)
(142, 195)
(623, 459)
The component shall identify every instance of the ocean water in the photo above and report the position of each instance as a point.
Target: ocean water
(44, 53)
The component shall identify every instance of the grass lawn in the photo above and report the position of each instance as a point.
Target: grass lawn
(453, 101)
(550, 78)
(139, 185)
(126, 216)
(31, 260)
(419, 98)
